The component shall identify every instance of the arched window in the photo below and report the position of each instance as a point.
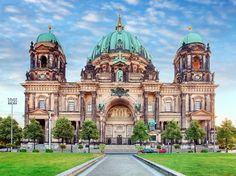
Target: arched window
(42, 104)
(196, 63)
(119, 76)
(71, 106)
(89, 108)
(43, 60)
(197, 105)
(168, 106)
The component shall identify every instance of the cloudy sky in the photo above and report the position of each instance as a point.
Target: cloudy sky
(79, 25)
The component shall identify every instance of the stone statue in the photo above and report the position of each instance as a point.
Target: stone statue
(27, 74)
(151, 124)
(101, 107)
(119, 75)
(138, 107)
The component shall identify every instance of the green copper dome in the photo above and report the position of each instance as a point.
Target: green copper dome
(119, 40)
(47, 37)
(192, 38)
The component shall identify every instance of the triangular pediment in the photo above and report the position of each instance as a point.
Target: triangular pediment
(201, 113)
(42, 47)
(38, 112)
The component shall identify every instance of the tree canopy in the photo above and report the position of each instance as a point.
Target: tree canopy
(5, 131)
(172, 132)
(89, 131)
(33, 131)
(140, 132)
(194, 133)
(225, 133)
(63, 129)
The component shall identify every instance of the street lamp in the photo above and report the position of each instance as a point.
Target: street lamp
(12, 101)
(50, 114)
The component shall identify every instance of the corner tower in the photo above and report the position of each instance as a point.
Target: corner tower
(47, 59)
(192, 61)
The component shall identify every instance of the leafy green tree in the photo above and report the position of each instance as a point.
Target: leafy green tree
(63, 129)
(89, 131)
(5, 131)
(33, 131)
(140, 132)
(225, 133)
(171, 133)
(194, 133)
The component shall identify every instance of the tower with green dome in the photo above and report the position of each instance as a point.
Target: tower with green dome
(48, 62)
(192, 60)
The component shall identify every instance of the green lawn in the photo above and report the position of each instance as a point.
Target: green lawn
(40, 164)
(191, 164)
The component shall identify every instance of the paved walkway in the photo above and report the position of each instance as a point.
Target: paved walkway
(120, 165)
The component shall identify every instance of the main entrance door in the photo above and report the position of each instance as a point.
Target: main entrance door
(119, 140)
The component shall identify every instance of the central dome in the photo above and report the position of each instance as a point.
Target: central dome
(119, 40)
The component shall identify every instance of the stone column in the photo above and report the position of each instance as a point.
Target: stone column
(212, 109)
(183, 110)
(56, 107)
(26, 108)
(157, 109)
(76, 131)
(94, 106)
(205, 99)
(82, 108)
(145, 107)
(33, 101)
(189, 103)
(50, 101)
(46, 129)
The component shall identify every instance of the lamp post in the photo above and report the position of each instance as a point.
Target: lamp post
(12, 101)
(50, 114)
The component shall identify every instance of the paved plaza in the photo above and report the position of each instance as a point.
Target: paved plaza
(120, 165)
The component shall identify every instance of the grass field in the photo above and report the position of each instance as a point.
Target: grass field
(40, 164)
(197, 164)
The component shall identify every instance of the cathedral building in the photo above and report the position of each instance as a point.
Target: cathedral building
(120, 86)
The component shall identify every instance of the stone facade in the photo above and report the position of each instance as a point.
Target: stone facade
(118, 87)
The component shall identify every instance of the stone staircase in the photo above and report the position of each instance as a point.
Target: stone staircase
(120, 149)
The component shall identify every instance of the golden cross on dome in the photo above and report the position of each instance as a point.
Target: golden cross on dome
(190, 28)
(49, 28)
(119, 25)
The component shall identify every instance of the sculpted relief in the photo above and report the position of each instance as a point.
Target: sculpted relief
(119, 113)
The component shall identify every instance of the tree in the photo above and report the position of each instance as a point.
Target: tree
(89, 131)
(225, 133)
(63, 129)
(140, 132)
(171, 133)
(194, 133)
(33, 131)
(5, 131)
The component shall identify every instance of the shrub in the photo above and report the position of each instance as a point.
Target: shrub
(139, 148)
(35, 151)
(218, 151)
(23, 150)
(158, 146)
(190, 151)
(177, 146)
(231, 146)
(204, 151)
(62, 146)
(80, 146)
(49, 151)
(102, 148)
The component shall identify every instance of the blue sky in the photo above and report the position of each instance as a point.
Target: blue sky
(79, 25)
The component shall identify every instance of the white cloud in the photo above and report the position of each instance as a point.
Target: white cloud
(92, 16)
(133, 2)
(114, 6)
(11, 9)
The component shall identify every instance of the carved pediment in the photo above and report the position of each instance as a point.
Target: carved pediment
(201, 115)
(42, 47)
(38, 112)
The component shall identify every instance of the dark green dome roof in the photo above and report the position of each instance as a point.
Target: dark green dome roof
(119, 40)
(47, 37)
(193, 38)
